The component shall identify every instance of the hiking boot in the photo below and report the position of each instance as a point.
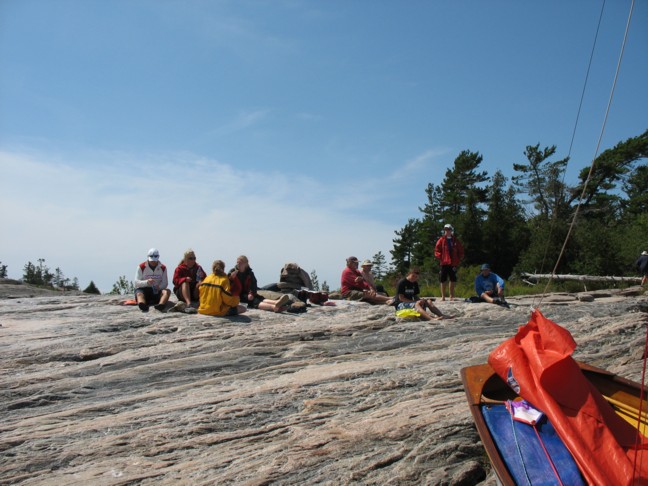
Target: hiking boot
(160, 307)
(143, 307)
(190, 310)
(179, 307)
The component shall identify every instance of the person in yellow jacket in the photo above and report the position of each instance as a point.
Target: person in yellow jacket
(217, 297)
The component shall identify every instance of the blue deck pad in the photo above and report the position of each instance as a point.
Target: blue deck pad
(523, 453)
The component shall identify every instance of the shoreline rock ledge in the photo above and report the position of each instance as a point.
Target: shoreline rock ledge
(93, 392)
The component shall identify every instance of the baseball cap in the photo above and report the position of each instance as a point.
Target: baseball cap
(448, 226)
(153, 255)
(485, 266)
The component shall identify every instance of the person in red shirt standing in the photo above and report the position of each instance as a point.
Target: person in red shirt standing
(449, 251)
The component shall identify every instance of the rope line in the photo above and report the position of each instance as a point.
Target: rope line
(596, 152)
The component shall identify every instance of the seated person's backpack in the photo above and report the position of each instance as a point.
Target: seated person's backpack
(293, 277)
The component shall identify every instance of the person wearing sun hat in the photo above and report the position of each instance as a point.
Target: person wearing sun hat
(449, 251)
(151, 282)
(368, 276)
(354, 286)
(642, 266)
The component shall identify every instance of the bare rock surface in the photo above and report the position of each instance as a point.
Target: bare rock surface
(93, 392)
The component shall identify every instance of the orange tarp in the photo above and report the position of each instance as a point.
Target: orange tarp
(537, 363)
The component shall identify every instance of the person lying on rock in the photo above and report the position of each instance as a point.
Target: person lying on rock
(151, 282)
(407, 295)
(490, 286)
(249, 288)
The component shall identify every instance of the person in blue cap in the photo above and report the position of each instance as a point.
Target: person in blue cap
(489, 286)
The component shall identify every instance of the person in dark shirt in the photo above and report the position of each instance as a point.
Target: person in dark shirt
(407, 293)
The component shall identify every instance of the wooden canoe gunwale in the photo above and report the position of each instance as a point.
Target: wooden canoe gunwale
(483, 386)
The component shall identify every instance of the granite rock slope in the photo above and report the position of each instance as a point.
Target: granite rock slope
(93, 392)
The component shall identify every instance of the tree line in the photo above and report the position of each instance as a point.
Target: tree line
(42, 276)
(520, 224)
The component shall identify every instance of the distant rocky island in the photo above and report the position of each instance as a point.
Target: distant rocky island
(95, 392)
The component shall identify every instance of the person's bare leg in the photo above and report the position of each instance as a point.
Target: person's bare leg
(427, 303)
(487, 298)
(452, 287)
(184, 290)
(421, 310)
(443, 290)
(164, 298)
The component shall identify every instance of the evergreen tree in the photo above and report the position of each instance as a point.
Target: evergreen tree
(379, 265)
(91, 289)
(123, 286)
(325, 286)
(610, 168)
(3, 270)
(314, 280)
(404, 246)
(505, 233)
(541, 181)
(461, 186)
(636, 189)
(59, 278)
(30, 274)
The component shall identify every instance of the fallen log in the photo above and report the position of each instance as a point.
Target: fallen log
(579, 278)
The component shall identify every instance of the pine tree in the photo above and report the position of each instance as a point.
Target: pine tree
(379, 265)
(3, 270)
(404, 246)
(91, 289)
(123, 286)
(314, 281)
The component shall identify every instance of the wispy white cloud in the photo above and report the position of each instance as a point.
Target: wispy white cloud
(242, 121)
(97, 219)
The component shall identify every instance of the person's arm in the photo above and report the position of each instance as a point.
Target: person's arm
(479, 285)
(231, 295)
(438, 249)
(139, 281)
(178, 279)
(500, 282)
(350, 281)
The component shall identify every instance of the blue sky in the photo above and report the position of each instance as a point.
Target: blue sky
(284, 130)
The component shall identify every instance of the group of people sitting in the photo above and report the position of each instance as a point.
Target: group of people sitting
(232, 293)
(216, 294)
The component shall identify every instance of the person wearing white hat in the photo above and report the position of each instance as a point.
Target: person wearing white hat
(642, 266)
(354, 286)
(368, 276)
(151, 282)
(449, 251)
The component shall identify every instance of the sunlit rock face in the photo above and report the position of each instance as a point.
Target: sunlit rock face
(94, 392)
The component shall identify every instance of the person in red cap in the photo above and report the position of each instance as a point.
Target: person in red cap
(355, 287)
(449, 251)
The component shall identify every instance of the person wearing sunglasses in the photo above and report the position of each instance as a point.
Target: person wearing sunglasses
(151, 282)
(186, 280)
